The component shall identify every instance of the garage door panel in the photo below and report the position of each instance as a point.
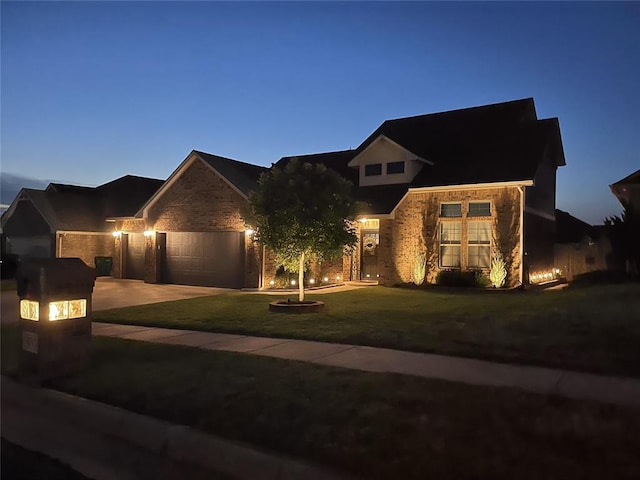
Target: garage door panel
(205, 258)
(135, 256)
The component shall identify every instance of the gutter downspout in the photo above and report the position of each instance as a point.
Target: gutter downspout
(60, 237)
(521, 190)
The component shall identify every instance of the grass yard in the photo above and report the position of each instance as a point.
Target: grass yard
(594, 328)
(373, 425)
(20, 463)
(8, 285)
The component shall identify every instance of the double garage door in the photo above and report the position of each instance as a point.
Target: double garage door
(214, 259)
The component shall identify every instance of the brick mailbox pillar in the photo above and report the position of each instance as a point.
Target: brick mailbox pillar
(55, 315)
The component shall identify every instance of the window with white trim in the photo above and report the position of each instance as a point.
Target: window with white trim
(479, 244)
(479, 209)
(450, 210)
(450, 241)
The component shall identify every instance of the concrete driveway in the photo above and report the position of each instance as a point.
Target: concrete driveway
(115, 293)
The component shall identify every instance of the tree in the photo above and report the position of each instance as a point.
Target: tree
(303, 212)
(624, 235)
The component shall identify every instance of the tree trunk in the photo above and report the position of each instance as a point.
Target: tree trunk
(301, 278)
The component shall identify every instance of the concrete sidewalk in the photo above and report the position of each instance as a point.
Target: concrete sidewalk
(546, 381)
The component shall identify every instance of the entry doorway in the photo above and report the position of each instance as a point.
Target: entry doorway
(370, 240)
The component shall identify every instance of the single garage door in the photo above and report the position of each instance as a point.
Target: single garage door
(36, 246)
(212, 259)
(135, 256)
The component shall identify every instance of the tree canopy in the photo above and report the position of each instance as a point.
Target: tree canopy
(304, 212)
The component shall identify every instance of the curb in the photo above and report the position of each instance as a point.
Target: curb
(178, 443)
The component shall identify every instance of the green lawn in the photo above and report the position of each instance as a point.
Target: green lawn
(7, 285)
(375, 425)
(594, 328)
(20, 463)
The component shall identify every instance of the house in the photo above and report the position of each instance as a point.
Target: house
(455, 186)
(627, 191)
(581, 248)
(69, 221)
(626, 236)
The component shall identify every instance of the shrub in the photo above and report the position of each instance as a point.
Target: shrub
(462, 278)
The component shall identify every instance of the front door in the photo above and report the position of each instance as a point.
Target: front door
(369, 255)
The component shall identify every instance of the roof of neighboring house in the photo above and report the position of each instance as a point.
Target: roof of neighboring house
(74, 208)
(632, 179)
(244, 176)
(570, 229)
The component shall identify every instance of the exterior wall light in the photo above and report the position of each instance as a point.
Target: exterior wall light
(312, 281)
(272, 282)
(249, 231)
(325, 279)
(337, 277)
(60, 310)
(148, 233)
(293, 282)
(117, 233)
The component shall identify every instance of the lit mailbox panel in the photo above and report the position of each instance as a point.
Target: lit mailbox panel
(55, 315)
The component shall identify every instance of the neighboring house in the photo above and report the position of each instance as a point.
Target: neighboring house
(455, 186)
(626, 236)
(581, 248)
(69, 221)
(627, 191)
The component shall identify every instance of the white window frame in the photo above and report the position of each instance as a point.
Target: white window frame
(449, 203)
(450, 244)
(476, 243)
(480, 201)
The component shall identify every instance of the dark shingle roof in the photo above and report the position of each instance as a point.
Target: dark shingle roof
(124, 196)
(492, 143)
(570, 229)
(337, 161)
(632, 179)
(243, 176)
(75, 208)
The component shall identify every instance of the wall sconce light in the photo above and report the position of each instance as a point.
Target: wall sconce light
(249, 231)
(148, 233)
(312, 281)
(117, 233)
(325, 279)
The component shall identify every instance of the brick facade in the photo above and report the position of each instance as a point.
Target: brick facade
(85, 246)
(414, 230)
(199, 200)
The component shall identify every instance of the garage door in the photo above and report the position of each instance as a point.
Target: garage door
(36, 247)
(213, 259)
(135, 256)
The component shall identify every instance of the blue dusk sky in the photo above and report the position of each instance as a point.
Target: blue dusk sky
(92, 91)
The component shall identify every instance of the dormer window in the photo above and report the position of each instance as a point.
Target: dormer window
(395, 167)
(373, 169)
